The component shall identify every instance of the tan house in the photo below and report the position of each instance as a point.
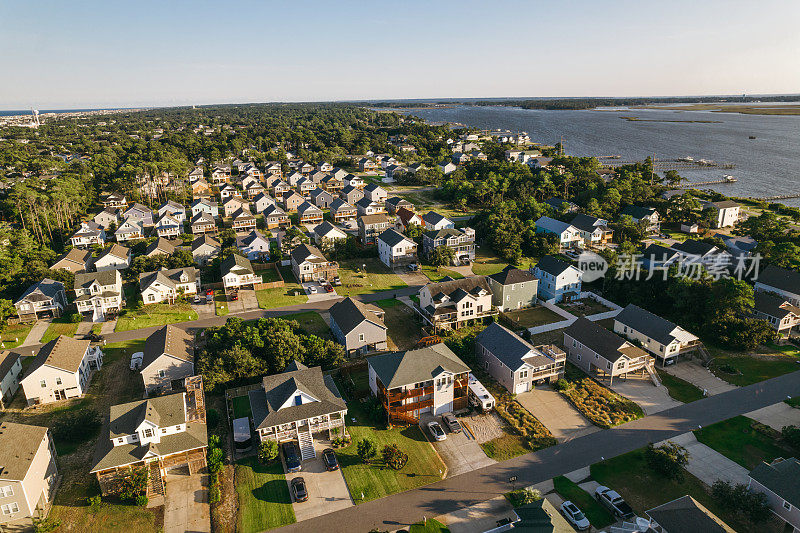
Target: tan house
(308, 264)
(292, 200)
(76, 260)
(166, 285)
(454, 303)
(168, 360)
(28, 472)
(62, 369)
(234, 204)
(275, 217)
(370, 226)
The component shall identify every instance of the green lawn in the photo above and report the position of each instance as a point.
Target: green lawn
(264, 499)
(282, 296)
(487, 263)
(375, 481)
(241, 406)
(749, 369)
(594, 510)
(428, 526)
(155, 315)
(59, 326)
(532, 317)
(437, 274)
(221, 303)
(313, 323)
(124, 349)
(506, 447)
(738, 441)
(377, 278)
(794, 402)
(14, 334)
(403, 330)
(679, 389)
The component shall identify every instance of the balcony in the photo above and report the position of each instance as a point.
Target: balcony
(412, 393)
(413, 406)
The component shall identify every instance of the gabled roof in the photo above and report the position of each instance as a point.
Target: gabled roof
(638, 212)
(236, 263)
(326, 228)
(606, 343)
(774, 306)
(202, 217)
(7, 361)
(169, 340)
(553, 266)
(436, 234)
(247, 240)
(242, 214)
(588, 223)
(405, 215)
(781, 478)
(162, 411)
(540, 516)
(116, 250)
(306, 252)
(652, 325)
(205, 240)
(725, 204)
(457, 289)
(365, 202)
(556, 202)
(169, 278)
(373, 187)
(273, 211)
(780, 278)
(377, 218)
(397, 200)
(433, 218)
(43, 290)
(553, 225)
(308, 207)
(340, 205)
(506, 346)
(659, 253)
(104, 277)
(63, 352)
(349, 314)
(89, 227)
(392, 238)
(692, 247)
(396, 369)
(18, 446)
(160, 244)
(510, 275)
(687, 514)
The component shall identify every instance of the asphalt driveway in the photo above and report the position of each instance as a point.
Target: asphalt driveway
(459, 451)
(650, 398)
(556, 413)
(327, 491)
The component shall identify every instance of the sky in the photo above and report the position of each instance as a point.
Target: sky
(58, 54)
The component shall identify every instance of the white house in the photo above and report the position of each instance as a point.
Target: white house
(558, 280)
(204, 249)
(202, 205)
(727, 213)
(254, 246)
(326, 233)
(395, 249)
(62, 369)
(10, 371)
(657, 335)
(168, 227)
(433, 220)
(568, 235)
(88, 233)
(98, 293)
(167, 285)
(237, 273)
(116, 257)
(129, 230)
(173, 209)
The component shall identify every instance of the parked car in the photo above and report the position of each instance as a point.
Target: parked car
(413, 267)
(574, 516)
(614, 502)
(93, 337)
(436, 430)
(329, 458)
(312, 289)
(337, 281)
(328, 287)
(209, 292)
(452, 424)
(136, 360)
(234, 296)
(197, 299)
(299, 489)
(291, 456)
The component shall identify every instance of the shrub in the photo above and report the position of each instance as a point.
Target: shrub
(561, 384)
(46, 525)
(76, 426)
(522, 497)
(737, 499)
(214, 441)
(668, 460)
(75, 318)
(141, 500)
(134, 484)
(267, 451)
(394, 456)
(94, 503)
(791, 435)
(214, 494)
(366, 450)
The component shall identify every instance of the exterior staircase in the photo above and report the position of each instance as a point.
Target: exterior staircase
(704, 355)
(306, 444)
(651, 369)
(155, 484)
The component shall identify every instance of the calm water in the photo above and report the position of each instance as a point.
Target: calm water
(766, 166)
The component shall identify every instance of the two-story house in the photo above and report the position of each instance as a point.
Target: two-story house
(365, 206)
(169, 227)
(358, 327)
(139, 212)
(107, 217)
(262, 201)
(646, 215)
(309, 213)
(173, 209)
(515, 363)
(405, 218)
(702, 253)
(453, 303)
(275, 217)
(662, 338)
(568, 235)
(205, 249)
(243, 221)
(321, 198)
(513, 288)
(780, 314)
(167, 285)
(167, 360)
(98, 294)
(254, 246)
(87, 234)
(131, 229)
(61, 369)
(682, 515)
(234, 204)
(780, 281)
(558, 280)
(726, 213)
(778, 482)
(370, 226)
(114, 200)
(42, 299)
(308, 264)
(594, 231)
(326, 234)
(367, 165)
(434, 221)
(159, 247)
(203, 205)
(116, 257)
(203, 223)
(396, 202)
(238, 273)
(10, 371)
(341, 211)
(291, 201)
(351, 194)
(395, 249)
(461, 241)
(76, 260)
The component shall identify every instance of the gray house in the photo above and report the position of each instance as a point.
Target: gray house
(359, 327)
(46, 298)
(514, 362)
(779, 482)
(168, 359)
(513, 288)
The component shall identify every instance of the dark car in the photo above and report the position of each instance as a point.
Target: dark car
(92, 336)
(328, 287)
(451, 423)
(234, 296)
(330, 460)
(299, 489)
(291, 456)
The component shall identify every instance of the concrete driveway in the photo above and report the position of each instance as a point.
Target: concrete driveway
(699, 376)
(459, 451)
(327, 491)
(203, 310)
(411, 278)
(186, 506)
(248, 299)
(650, 398)
(319, 293)
(777, 416)
(708, 465)
(556, 413)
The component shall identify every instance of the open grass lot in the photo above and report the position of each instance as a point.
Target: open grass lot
(602, 406)
(312, 323)
(679, 389)
(403, 329)
(221, 303)
(738, 440)
(155, 315)
(584, 307)
(532, 317)
(59, 326)
(506, 447)
(241, 406)
(594, 510)
(746, 369)
(290, 294)
(428, 526)
(374, 480)
(643, 489)
(264, 499)
(437, 274)
(487, 263)
(377, 278)
(14, 334)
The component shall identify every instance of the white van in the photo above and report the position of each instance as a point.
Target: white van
(478, 396)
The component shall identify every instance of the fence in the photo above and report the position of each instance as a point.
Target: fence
(261, 267)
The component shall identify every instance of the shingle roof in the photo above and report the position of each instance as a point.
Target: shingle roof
(444, 232)
(308, 207)
(349, 313)
(170, 277)
(433, 218)
(325, 228)
(76, 255)
(780, 278)
(18, 446)
(638, 212)
(553, 266)
(396, 369)
(48, 287)
(551, 224)
(725, 204)
(236, 263)
(116, 250)
(781, 478)
(685, 515)
(658, 252)
(648, 323)
(304, 252)
(273, 211)
(104, 277)
(378, 218)
(602, 341)
(774, 306)
(457, 288)
(160, 244)
(63, 352)
(205, 239)
(7, 360)
(510, 275)
(340, 205)
(505, 345)
(587, 223)
(169, 340)
(392, 238)
(693, 247)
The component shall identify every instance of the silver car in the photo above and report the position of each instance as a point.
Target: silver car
(574, 516)
(436, 430)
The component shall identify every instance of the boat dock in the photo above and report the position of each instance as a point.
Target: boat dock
(725, 179)
(777, 197)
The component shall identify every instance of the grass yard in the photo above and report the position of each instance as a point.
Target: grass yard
(268, 275)
(594, 510)
(746, 369)
(679, 389)
(437, 274)
(312, 323)
(403, 330)
(377, 278)
(373, 480)
(428, 526)
(487, 263)
(14, 334)
(59, 326)
(532, 317)
(264, 499)
(221, 304)
(794, 402)
(602, 406)
(506, 447)
(290, 294)
(584, 307)
(155, 315)
(739, 441)
(241, 407)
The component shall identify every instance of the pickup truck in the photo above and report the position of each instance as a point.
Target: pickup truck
(613, 502)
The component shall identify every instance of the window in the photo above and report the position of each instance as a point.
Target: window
(10, 508)
(6, 491)
(608, 366)
(163, 430)
(523, 374)
(58, 381)
(162, 373)
(121, 440)
(148, 433)
(298, 400)
(43, 383)
(360, 337)
(787, 505)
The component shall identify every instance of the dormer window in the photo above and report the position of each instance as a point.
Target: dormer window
(148, 433)
(298, 400)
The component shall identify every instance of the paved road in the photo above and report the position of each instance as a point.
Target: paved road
(471, 488)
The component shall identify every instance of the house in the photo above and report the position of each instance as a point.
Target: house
(243, 221)
(331, 184)
(61, 369)
(459, 158)
(293, 179)
(558, 281)
(114, 200)
(10, 372)
(297, 404)
(647, 216)
(375, 192)
(76, 260)
(778, 482)
(205, 206)
(513, 288)
(46, 298)
(324, 166)
(453, 303)
(98, 293)
(107, 217)
(707, 254)
(250, 170)
(196, 174)
(201, 190)
(514, 362)
(262, 201)
(603, 354)
(683, 515)
(367, 165)
(173, 209)
(540, 516)
(341, 210)
(780, 314)
(727, 213)
(254, 246)
(560, 205)
(395, 249)
(279, 188)
(159, 247)
(203, 223)
(785, 283)
(87, 234)
(169, 226)
(539, 162)
(354, 181)
(229, 191)
(167, 285)
(434, 221)
(365, 206)
(447, 167)
(291, 201)
(461, 241)
(405, 218)
(130, 230)
(351, 194)
(305, 186)
(29, 474)
(358, 327)
(116, 257)
(394, 203)
(237, 273)
(308, 264)
(221, 174)
(425, 380)
(370, 226)
(309, 213)
(392, 172)
(326, 234)
(139, 212)
(521, 156)
(663, 339)
(568, 235)
(592, 230)
(234, 204)
(167, 360)
(204, 249)
(321, 198)
(159, 433)
(306, 168)
(273, 167)
(656, 257)
(275, 217)
(738, 246)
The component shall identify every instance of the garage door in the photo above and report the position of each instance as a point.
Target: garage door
(525, 386)
(446, 408)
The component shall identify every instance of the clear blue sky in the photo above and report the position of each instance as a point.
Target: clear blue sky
(112, 53)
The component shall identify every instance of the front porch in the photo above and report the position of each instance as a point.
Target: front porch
(331, 426)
